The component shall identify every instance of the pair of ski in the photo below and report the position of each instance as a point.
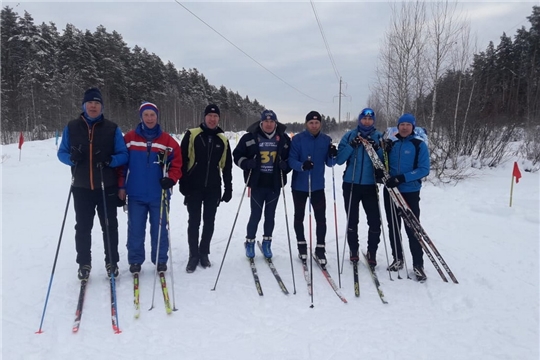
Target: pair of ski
(80, 303)
(164, 290)
(274, 272)
(410, 219)
(327, 276)
(373, 277)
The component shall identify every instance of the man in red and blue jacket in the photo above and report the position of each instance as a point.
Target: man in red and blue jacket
(154, 167)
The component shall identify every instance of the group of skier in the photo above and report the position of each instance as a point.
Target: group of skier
(141, 167)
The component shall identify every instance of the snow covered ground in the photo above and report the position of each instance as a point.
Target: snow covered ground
(492, 249)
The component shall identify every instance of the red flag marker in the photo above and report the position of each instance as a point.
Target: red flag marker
(516, 173)
(21, 140)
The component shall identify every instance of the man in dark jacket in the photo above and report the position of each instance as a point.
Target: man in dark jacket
(206, 156)
(311, 150)
(263, 153)
(93, 146)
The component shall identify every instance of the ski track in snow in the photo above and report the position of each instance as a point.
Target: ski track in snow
(491, 248)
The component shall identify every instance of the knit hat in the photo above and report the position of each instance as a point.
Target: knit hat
(92, 94)
(268, 115)
(313, 115)
(367, 112)
(407, 118)
(211, 109)
(148, 106)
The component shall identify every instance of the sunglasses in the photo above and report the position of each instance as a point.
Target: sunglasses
(368, 113)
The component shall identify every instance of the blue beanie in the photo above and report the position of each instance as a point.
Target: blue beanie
(367, 112)
(148, 106)
(407, 118)
(268, 115)
(92, 94)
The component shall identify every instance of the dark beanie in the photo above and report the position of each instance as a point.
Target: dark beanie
(268, 115)
(92, 94)
(211, 109)
(313, 115)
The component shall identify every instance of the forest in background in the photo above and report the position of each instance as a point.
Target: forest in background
(473, 103)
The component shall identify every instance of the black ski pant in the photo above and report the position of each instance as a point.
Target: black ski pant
(86, 201)
(209, 199)
(367, 194)
(394, 227)
(318, 202)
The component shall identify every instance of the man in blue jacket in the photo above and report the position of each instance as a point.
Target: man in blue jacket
(359, 184)
(310, 151)
(408, 160)
(94, 146)
(262, 153)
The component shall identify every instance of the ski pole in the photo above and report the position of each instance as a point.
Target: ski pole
(310, 235)
(232, 230)
(335, 221)
(113, 264)
(161, 206)
(40, 330)
(171, 262)
(349, 207)
(287, 226)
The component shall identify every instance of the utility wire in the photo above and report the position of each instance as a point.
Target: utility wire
(325, 41)
(246, 54)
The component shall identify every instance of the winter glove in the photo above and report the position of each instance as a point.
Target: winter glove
(394, 181)
(166, 183)
(379, 175)
(248, 164)
(332, 151)
(227, 195)
(307, 165)
(184, 189)
(388, 145)
(76, 155)
(356, 142)
(102, 160)
(120, 202)
(373, 143)
(283, 165)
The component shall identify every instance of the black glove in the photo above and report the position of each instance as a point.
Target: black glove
(120, 202)
(248, 164)
(227, 195)
(166, 183)
(356, 142)
(394, 181)
(76, 155)
(379, 175)
(373, 143)
(307, 165)
(283, 165)
(184, 188)
(332, 150)
(388, 145)
(101, 159)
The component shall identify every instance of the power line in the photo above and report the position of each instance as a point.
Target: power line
(246, 54)
(325, 41)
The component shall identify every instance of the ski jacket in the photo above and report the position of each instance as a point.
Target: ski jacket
(206, 156)
(101, 137)
(357, 159)
(401, 159)
(249, 147)
(303, 145)
(141, 175)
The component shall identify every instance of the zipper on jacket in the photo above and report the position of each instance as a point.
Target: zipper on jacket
(148, 152)
(91, 147)
(209, 154)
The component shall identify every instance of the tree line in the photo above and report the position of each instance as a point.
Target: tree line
(472, 103)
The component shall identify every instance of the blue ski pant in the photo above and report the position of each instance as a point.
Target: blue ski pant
(138, 213)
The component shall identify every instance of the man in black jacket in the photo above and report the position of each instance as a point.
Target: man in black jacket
(263, 153)
(206, 155)
(94, 146)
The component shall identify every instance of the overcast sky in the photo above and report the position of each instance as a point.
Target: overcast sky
(282, 36)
